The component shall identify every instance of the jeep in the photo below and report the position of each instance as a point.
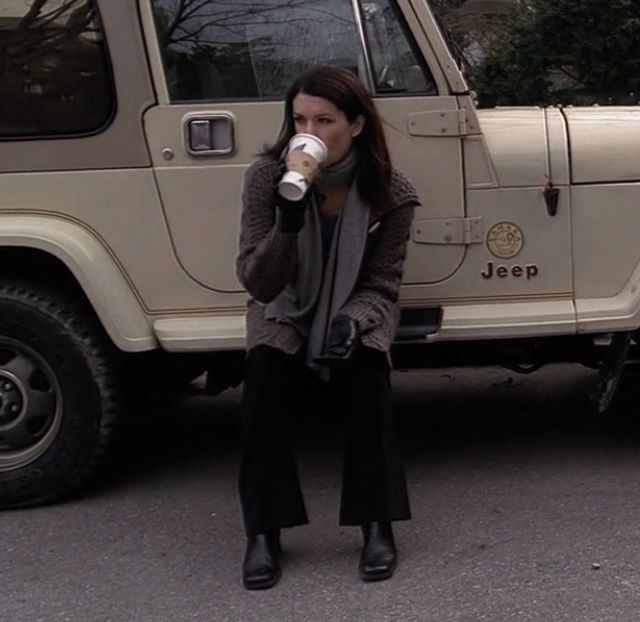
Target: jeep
(125, 130)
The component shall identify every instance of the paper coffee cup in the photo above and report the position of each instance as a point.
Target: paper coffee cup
(293, 186)
(309, 144)
(304, 156)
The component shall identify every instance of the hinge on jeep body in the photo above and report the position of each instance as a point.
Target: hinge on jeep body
(448, 231)
(438, 123)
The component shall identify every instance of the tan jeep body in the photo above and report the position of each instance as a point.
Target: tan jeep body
(527, 227)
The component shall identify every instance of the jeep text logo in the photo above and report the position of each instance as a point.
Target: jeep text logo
(528, 271)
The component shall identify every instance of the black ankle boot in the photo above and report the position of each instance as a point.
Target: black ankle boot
(260, 568)
(378, 558)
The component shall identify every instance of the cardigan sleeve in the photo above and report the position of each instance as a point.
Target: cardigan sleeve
(377, 288)
(266, 255)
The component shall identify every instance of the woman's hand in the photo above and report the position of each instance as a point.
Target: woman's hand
(342, 342)
(290, 214)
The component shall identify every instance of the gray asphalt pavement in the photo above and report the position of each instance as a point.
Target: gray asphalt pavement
(524, 509)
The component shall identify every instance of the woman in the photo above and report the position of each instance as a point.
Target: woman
(323, 274)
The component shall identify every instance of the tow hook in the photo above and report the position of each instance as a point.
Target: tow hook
(610, 373)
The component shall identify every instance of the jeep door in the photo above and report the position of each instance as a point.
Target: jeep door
(221, 70)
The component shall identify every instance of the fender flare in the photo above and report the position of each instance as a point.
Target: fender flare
(94, 268)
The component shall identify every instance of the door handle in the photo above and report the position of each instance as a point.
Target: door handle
(209, 134)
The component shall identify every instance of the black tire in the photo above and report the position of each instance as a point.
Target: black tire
(59, 395)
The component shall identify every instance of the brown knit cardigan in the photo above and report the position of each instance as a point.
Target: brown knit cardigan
(267, 260)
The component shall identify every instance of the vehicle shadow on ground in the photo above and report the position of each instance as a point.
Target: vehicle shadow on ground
(441, 415)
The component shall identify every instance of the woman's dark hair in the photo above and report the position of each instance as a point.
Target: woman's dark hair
(343, 88)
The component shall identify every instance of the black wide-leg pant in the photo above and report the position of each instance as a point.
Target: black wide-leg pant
(373, 479)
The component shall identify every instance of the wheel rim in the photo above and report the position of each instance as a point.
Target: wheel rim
(30, 405)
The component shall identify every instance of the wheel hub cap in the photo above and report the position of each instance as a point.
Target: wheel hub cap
(11, 400)
(30, 404)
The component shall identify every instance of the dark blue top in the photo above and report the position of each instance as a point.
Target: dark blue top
(327, 226)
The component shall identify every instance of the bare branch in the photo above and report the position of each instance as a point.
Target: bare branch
(31, 15)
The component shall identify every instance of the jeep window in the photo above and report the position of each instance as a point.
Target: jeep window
(252, 48)
(397, 68)
(54, 72)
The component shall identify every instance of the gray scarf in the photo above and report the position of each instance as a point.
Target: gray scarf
(316, 296)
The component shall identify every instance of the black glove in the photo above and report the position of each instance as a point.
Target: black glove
(291, 217)
(342, 342)
(291, 213)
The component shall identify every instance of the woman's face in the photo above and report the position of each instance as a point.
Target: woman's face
(320, 117)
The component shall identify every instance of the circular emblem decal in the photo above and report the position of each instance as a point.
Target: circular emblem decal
(505, 240)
